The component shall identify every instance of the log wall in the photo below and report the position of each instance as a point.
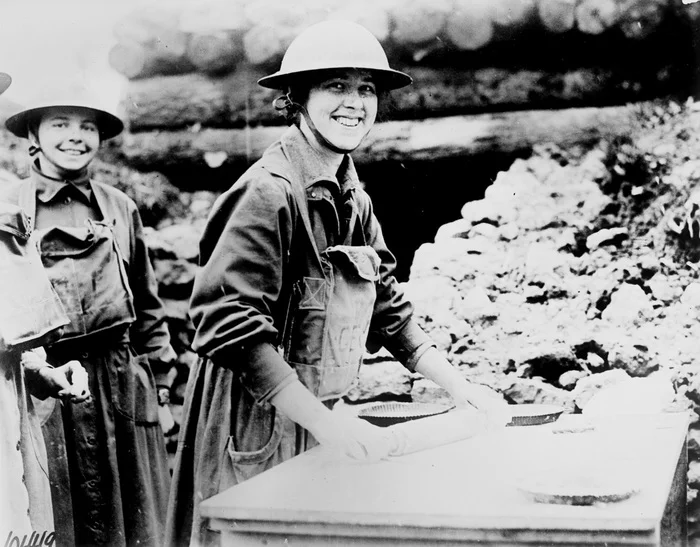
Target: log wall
(192, 97)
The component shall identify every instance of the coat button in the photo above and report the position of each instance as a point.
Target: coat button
(19, 445)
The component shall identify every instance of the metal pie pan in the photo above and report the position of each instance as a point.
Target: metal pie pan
(582, 490)
(386, 414)
(534, 414)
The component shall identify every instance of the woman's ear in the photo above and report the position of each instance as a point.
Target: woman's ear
(34, 147)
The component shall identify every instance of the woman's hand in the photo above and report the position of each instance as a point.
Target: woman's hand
(432, 364)
(353, 437)
(68, 382)
(495, 409)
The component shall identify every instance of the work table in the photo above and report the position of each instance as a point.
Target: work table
(469, 492)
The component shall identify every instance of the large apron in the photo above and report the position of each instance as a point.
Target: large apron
(227, 437)
(108, 466)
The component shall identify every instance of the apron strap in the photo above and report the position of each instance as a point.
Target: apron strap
(27, 200)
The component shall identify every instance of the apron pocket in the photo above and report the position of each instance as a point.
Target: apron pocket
(135, 396)
(245, 465)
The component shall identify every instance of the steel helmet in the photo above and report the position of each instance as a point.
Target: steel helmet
(335, 44)
(5, 82)
(108, 124)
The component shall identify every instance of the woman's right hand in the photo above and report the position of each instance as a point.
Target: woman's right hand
(353, 437)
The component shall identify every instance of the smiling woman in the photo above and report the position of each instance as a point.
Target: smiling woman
(295, 280)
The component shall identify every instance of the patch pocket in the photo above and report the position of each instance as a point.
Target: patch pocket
(314, 294)
(245, 465)
(135, 396)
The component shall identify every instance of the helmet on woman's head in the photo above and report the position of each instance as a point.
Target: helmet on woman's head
(335, 45)
(108, 124)
(5, 82)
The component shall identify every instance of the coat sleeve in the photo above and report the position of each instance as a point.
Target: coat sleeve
(238, 290)
(392, 323)
(149, 333)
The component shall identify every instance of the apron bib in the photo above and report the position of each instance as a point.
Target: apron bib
(87, 271)
(330, 311)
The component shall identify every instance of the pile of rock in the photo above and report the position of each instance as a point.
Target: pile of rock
(541, 293)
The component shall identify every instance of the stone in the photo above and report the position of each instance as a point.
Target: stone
(386, 380)
(476, 306)
(484, 229)
(632, 356)
(459, 228)
(609, 236)
(628, 305)
(509, 232)
(569, 379)
(661, 288)
(590, 385)
(523, 390)
(691, 295)
(183, 239)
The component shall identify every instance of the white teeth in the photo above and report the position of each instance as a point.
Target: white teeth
(348, 122)
(72, 152)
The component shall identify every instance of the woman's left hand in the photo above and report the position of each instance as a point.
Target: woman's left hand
(495, 409)
(68, 382)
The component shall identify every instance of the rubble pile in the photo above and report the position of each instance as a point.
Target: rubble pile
(576, 271)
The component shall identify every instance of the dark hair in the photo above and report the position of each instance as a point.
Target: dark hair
(290, 104)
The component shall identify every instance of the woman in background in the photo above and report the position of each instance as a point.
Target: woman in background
(30, 315)
(108, 466)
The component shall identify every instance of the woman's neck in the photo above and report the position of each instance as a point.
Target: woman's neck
(329, 157)
(48, 170)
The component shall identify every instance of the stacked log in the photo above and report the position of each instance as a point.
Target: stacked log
(192, 94)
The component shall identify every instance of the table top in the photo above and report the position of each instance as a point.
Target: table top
(470, 485)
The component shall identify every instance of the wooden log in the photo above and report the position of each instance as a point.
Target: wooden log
(557, 15)
(215, 52)
(596, 16)
(423, 140)
(513, 14)
(236, 99)
(137, 61)
(417, 22)
(639, 18)
(470, 25)
(149, 41)
(371, 14)
(177, 101)
(266, 43)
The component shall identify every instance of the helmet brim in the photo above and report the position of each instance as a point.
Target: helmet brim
(5, 82)
(387, 79)
(108, 124)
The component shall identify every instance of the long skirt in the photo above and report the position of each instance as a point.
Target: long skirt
(25, 498)
(107, 459)
(225, 439)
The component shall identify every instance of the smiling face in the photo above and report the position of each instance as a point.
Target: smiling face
(69, 140)
(343, 107)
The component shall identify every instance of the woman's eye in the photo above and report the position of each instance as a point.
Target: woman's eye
(90, 127)
(369, 89)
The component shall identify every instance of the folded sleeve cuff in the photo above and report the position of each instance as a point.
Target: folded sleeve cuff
(409, 344)
(264, 372)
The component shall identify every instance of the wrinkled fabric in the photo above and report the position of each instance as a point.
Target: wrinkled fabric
(25, 497)
(252, 252)
(108, 466)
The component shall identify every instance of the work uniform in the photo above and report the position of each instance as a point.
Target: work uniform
(30, 316)
(257, 301)
(108, 466)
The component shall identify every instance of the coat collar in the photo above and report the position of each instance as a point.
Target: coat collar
(47, 188)
(310, 165)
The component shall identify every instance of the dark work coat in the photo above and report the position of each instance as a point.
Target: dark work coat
(251, 252)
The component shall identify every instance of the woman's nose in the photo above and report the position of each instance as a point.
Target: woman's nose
(353, 99)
